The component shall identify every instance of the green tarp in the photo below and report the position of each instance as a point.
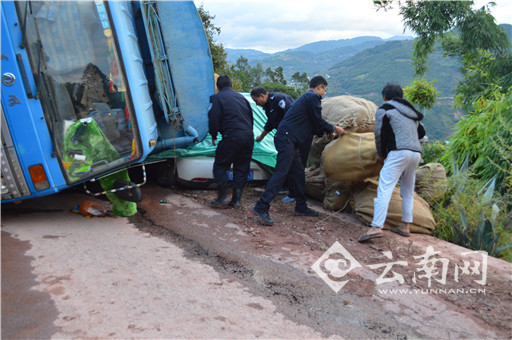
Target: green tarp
(264, 152)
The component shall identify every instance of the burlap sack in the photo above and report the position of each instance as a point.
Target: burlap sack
(431, 182)
(315, 183)
(317, 146)
(423, 221)
(351, 113)
(351, 158)
(337, 195)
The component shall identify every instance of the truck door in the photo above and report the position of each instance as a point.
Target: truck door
(82, 86)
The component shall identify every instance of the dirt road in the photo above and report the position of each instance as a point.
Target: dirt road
(182, 269)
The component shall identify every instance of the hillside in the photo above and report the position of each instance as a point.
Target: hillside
(313, 58)
(365, 74)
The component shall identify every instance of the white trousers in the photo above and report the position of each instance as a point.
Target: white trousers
(400, 164)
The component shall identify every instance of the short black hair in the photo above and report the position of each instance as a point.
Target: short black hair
(317, 80)
(258, 91)
(392, 91)
(224, 81)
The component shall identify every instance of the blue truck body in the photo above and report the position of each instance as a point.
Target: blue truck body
(90, 87)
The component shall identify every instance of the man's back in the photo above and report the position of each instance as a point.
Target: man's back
(275, 108)
(230, 113)
(304, 118)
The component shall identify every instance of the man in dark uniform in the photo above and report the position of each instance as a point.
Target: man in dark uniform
(292, 140)
(231, 115)
(275, 105)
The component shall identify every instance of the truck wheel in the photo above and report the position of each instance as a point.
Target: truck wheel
(167, 174)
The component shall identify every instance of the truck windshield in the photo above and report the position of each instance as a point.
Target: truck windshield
(81, 85)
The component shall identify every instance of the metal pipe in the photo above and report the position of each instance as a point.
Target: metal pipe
(170, 143)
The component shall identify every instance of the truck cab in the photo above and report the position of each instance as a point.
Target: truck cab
(89, 87)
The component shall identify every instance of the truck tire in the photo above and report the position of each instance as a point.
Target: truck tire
(167, 174)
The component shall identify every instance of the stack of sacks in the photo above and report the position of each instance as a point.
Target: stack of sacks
(353, 114)
(348, 167)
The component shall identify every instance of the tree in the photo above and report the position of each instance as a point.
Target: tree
(275, 76)
(241, 72)
(278, 87)
(301, 81)
(472, 36)
(217, 50)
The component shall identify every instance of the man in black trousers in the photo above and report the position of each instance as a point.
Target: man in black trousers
(231, 115)
(292, 140)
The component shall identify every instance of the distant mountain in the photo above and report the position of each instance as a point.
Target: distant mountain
(327, 45)
(508, 29)
(234, 53)
(311, 58)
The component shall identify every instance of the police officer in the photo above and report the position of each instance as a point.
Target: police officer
(292, 140)
(275, 105)
(231, 115)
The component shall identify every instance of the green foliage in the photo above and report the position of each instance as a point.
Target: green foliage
(430, 20)
(472, 36)
(300, 81)
(244, 77)
(421, 93)
(217, 50)
(483, 237)
(481, 72)
(473, 215)
(275, 76)
(484, 137)
(278, 87)
(432, 151)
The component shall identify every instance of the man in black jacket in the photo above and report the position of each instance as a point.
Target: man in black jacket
(275, 105)
(231, 115)
(292, 140)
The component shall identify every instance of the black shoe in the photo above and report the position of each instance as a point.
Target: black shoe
(264, 216)
(222, 198)
(235, 200)
(307, 212)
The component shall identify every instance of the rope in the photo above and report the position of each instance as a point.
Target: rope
(127, 187)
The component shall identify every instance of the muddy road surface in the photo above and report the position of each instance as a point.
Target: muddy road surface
(181, 269)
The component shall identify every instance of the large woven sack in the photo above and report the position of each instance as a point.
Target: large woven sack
(315, 183)
(423, 221)
(315, 153)
(351, 113)
(337, 195)
(431, 182)
(351, 158)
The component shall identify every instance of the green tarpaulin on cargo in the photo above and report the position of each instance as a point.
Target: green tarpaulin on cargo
(264, 152)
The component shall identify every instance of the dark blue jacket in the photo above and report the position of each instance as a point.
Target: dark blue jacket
(230, 114)
(275, 108)
(304, 119)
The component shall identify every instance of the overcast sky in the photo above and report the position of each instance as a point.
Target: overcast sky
(276, 25)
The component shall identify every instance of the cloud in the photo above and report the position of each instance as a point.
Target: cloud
(272, 26)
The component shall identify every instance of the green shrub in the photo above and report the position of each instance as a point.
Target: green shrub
(422, 93)
(484, 136)
(473, 215)
(432, 151)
